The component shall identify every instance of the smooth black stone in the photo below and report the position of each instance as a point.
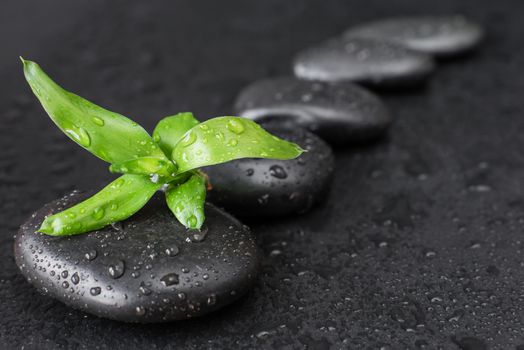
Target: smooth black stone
(368, 61)
(338, 112)
(438, 35)
(270, 188)
(146, 269)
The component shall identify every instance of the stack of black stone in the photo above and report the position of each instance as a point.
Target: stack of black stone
(323, 103)
(149, 268)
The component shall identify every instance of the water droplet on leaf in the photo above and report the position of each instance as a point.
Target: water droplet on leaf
(98, 121)
(235, 126)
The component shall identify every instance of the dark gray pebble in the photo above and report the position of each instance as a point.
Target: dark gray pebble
(148, 268)
(268, 188)
(438, 35)
(368, 61)
(338, 112)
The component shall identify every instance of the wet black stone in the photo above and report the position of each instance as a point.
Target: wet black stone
(438, 35)
(338, 112)
(269, 188)
(368, 61)
(132, 277)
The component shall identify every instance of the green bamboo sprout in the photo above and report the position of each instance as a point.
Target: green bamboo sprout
(167, 161)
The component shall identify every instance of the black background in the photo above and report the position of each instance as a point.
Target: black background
(420, 241)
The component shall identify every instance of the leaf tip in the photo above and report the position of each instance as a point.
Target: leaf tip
(47, 228)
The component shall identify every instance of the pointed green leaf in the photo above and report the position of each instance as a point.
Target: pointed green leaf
(116, 202)
(222, 139)
(187, 201)
(170, 130)
(108, 135)
(156, 168)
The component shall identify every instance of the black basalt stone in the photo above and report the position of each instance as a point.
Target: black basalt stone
(340, 113)
(270, 188)
(368, 61)
(443, 36)
(146, 269)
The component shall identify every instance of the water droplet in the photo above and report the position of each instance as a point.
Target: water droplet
(98, 213)
(117, 269)
(118, 183)
(172, 251)
(192, 221)
(98, 121)
(220, 136)
(156, 137)
(154, 178)
(307, 97)
(91, 255)
(140, 310)
(75, 278)
(169, 279)
(64, 274)
(232, 143)
(235, 126)
(263, 199)
(277, 171)
(65, 284)
(211, 299)
(95, 291)
(179, 208)
(188, 139)
(250, 172)
(199, 236)
(144, 290)
(80, 135)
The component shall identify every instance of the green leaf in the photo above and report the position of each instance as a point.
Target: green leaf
(170, 130)
(187, 201)
(222, 139)
(116, 202)
(156, 168)
(108, 135)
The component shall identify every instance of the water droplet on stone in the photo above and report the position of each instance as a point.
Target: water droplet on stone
(117, 269)
(211, 299)
(277, 171)
(169, 279)
(140, 310)
(91, 255)
(172, 251)
(95, 291)
(75, 278)
(199, 236)
(144, 290)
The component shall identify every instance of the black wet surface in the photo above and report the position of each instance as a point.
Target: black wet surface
(266, 188)
(146, 269)
(420, 241)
